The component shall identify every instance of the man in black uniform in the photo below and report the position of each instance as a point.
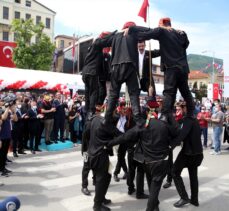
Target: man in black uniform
(91, 72)
(190, 156)
(98, 157)
(152, 150)
(124, 65)
(173, 45)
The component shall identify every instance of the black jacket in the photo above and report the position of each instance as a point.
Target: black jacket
(153, 141)
(173, 45)
(105, 68)
(190, 135)
(94, 59)
(99, 136)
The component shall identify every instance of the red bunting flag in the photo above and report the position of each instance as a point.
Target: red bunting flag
(143, 11)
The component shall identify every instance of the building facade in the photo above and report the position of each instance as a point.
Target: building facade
(24, 9)
(64, 41)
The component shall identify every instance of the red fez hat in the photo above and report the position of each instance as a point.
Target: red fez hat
(165, 22)
(128, 24)
(152, 103)
(103, 34)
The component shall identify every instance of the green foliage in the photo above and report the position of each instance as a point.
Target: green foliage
(27, 55)
(201, 92)
(199, 62)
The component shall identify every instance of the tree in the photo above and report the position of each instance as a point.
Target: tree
(27, 55)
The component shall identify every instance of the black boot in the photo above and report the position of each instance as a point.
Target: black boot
(101, 208)
(181, 203)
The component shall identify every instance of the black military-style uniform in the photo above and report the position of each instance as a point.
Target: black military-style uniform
(190, 156)
(91, 72)
(173, 45)
(124, 64)
(152, 150)
(98, 157)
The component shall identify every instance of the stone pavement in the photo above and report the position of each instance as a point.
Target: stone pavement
(52, 181)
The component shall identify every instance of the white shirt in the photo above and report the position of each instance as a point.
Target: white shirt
(121, 123)
(140, 59)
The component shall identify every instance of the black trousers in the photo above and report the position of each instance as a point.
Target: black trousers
(3, 153)
(124, 73)
(34, 136)
(121, 162)
(91, 92)
(170, 167)
(192, 163)
(58, 126)
(17, 140)
(157, 171)
(176, 78)
(25, 133)
(102, 92)
(133, 165)
(85, 172)
(100, 165)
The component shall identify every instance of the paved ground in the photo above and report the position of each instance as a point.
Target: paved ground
(52, 181)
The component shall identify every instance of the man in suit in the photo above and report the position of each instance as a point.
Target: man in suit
(34, 127)
(144, 67)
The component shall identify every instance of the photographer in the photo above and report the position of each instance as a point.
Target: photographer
(8, 115)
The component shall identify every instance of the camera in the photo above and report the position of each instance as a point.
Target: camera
(9, 100)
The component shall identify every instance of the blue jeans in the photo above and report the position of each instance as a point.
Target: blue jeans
(204, 131)
(217, 133)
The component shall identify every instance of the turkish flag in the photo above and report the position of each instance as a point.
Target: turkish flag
(143, 11)
(215, 91)
(6, 53)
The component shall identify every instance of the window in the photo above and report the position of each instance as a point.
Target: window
(18, 1)
(27, 16)
(28, 3)
(62, 44)
(5, 13)
(38, 19)
(5, 36)
(17, 15)
(48, 23)
(15, 36)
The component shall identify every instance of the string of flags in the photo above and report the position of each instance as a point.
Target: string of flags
(217, 66)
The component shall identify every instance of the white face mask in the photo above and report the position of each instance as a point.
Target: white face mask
(83, 103)
(19, 106)
(77, 105)
(34, 107)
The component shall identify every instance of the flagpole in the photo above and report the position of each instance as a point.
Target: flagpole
(73, 54)
(150, 56)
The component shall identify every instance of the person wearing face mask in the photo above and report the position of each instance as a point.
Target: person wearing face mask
(34, 127)
(48, 111)
(190, 156)
(75, 126)
(217, 124)
(17, 130)
(203, 118)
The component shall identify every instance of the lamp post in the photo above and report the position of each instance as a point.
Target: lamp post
(213, 64)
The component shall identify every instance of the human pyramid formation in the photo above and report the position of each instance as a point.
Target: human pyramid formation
(154, 137)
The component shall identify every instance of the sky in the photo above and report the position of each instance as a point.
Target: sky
(205, 21)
